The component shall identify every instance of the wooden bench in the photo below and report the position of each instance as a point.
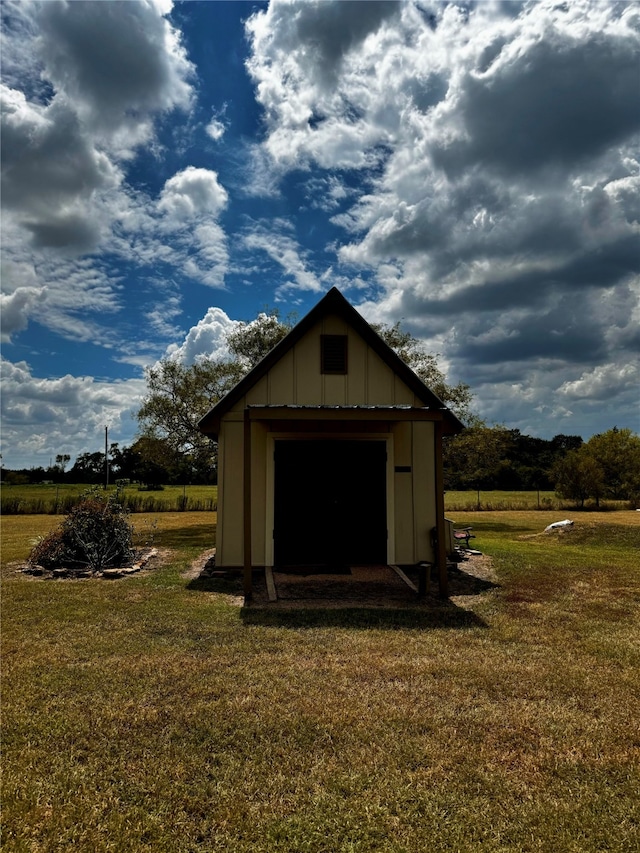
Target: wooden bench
(464, 533)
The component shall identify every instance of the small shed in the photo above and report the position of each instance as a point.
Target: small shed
(330, 453)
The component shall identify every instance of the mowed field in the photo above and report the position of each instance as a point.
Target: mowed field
(45, 498)
(48, 498)
(154, 713)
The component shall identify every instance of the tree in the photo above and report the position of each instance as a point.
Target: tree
(250, 342)
(617, 452)
(62, 460)
(425, 365)
(578, 476)
(88, 468)
(180, 395)
(561, 444)
(475, 457)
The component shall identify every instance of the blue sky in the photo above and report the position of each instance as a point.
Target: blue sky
(168, 169)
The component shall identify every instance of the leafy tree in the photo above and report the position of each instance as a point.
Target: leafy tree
(88, 468)
(180, 395)
(475, 457)
(425, 365)
(617, 452)
(561, 444)
(62, 460)
(250, 342)
(122, 462)
(578, 476)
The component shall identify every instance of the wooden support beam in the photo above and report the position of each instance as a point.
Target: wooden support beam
(441, 546)
(248, 568)
(403, 577)
(271, 584)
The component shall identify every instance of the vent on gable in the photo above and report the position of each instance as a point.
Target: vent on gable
(333, 353)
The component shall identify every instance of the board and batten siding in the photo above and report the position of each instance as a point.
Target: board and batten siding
(296, 379)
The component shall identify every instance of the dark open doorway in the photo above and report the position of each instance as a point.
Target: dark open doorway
(330, 506)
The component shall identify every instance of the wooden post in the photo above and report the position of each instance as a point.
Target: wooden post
(441, 547)
(106, 457)
(248, 585)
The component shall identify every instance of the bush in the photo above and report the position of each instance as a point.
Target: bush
(96, 534)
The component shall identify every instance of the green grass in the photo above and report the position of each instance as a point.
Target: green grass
(491, 501)
(151, 714)
(58, 499)
(40, 498)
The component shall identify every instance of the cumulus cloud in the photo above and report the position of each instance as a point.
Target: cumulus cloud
(44, 417)
(215, 129)
(50, 171)
(84, 84)
(15, 310)
(118, 63)
(501, 146)
(111, 68)
(206, 340)
(191, 193)
(604, 382)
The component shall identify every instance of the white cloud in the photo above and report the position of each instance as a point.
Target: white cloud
(286, 253)
(215, 129)
(50, 172)
(604, 382)
(206, 340)
(88, 80)
(43, 417)
(15, 311)
(500, 143)
(119, 63)
(192, 193)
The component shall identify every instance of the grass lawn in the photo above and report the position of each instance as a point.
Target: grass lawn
(151, 714)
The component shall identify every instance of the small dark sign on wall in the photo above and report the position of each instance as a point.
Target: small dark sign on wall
(403, 469)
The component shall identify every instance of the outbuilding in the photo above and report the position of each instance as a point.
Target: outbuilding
(330, 453)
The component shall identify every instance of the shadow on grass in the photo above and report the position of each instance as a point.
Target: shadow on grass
(425, 617)
(429, 613)
(462, 583)
(223, 586)
(190, 536)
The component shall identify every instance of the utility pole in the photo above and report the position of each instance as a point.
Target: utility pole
(106, 458)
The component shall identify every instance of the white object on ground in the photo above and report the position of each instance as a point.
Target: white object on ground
(556, 524)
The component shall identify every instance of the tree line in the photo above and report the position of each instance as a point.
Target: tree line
(607, 467)
(169, 448)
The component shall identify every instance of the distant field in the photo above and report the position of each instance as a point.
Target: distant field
(470, 501)
(52, 499)
(47, 499)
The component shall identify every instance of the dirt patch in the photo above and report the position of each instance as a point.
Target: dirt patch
(374, 587)
(471, 580)
(199, 565)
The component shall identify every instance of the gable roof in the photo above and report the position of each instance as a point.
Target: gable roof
(333, 303)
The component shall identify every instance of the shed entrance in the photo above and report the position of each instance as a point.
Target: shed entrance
(330, 503)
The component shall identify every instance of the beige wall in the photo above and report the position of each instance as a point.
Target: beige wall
(296, 380)
(410, 495)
